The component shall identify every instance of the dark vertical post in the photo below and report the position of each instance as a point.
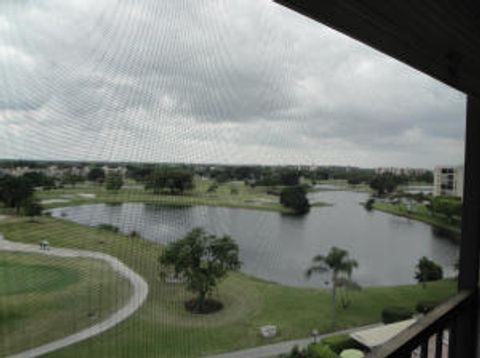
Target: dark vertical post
(439, 344)
(466, 325)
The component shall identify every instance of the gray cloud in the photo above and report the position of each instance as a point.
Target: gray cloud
(208, 81)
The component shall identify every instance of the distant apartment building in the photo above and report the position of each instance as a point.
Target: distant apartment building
(400, 171)
(115, 170)
(16, 171)
(448, 181)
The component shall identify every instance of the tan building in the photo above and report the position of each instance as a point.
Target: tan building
(448, 181)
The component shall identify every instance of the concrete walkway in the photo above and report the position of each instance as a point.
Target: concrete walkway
(272, 350)
(140, 292)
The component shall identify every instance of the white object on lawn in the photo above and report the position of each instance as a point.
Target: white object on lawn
(268, 331)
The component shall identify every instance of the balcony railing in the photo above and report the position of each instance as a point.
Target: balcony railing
(436, 334)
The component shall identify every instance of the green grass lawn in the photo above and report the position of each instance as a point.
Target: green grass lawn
(418, 212)
(19, 278)
(342, 184)
(234, 194)
(162, 327)
(43, 298)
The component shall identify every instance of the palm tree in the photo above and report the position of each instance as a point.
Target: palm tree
(337, 261)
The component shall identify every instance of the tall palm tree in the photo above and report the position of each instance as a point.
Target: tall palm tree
(337, 261)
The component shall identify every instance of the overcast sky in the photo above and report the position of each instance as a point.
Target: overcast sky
(232, 81)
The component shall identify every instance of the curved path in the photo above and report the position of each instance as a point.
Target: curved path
(140, 292)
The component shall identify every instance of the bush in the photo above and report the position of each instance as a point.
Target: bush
(340, 342)
(212, 188)
(320, 350)
(134, 234)
(395, 314)
(428, 270)
(369, 204)
(108, 227)
(426, 306)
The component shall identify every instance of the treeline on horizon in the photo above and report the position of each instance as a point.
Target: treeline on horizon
(262, 175)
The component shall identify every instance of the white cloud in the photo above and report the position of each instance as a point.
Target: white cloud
(211, 81)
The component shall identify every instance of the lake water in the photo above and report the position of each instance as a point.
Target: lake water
(280, 247)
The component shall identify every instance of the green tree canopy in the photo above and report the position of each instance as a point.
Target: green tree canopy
(203, 260)
(114, 181)
(175, 180)
(428, 270)
(39, 179)
(448, 206)
(96, 174)
(386, 183)
(295, 198)
(73, 179)
(14, 191)
(32, 208)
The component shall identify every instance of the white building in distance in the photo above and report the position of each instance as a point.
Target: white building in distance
(448, 181)
(400, 171)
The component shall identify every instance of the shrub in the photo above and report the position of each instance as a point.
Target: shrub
(212, 188)
(340, 342)
(108, 227)
(428, 270)
(426, 306)
(395, 314)
(134, 234)
(320, 350)
(369, 204)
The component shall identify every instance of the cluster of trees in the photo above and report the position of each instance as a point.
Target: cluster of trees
(96, 174)
(114, 182)
(39, 179)
(140, 173)
(227, 173)
(448, 206)
(280, 178)
(173, 180)
(255, 175)
(426, 177)
(295, 198)
(386, 183)
(72, 179)
(17, 193)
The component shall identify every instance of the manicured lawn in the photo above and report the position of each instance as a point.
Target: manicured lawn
(341, 184)
(418, 212)
(43, 298)
(16, 277)
(234, 194)
(230, 194)
(162, 327)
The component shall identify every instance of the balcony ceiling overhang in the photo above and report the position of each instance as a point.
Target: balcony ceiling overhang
(438, 37)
